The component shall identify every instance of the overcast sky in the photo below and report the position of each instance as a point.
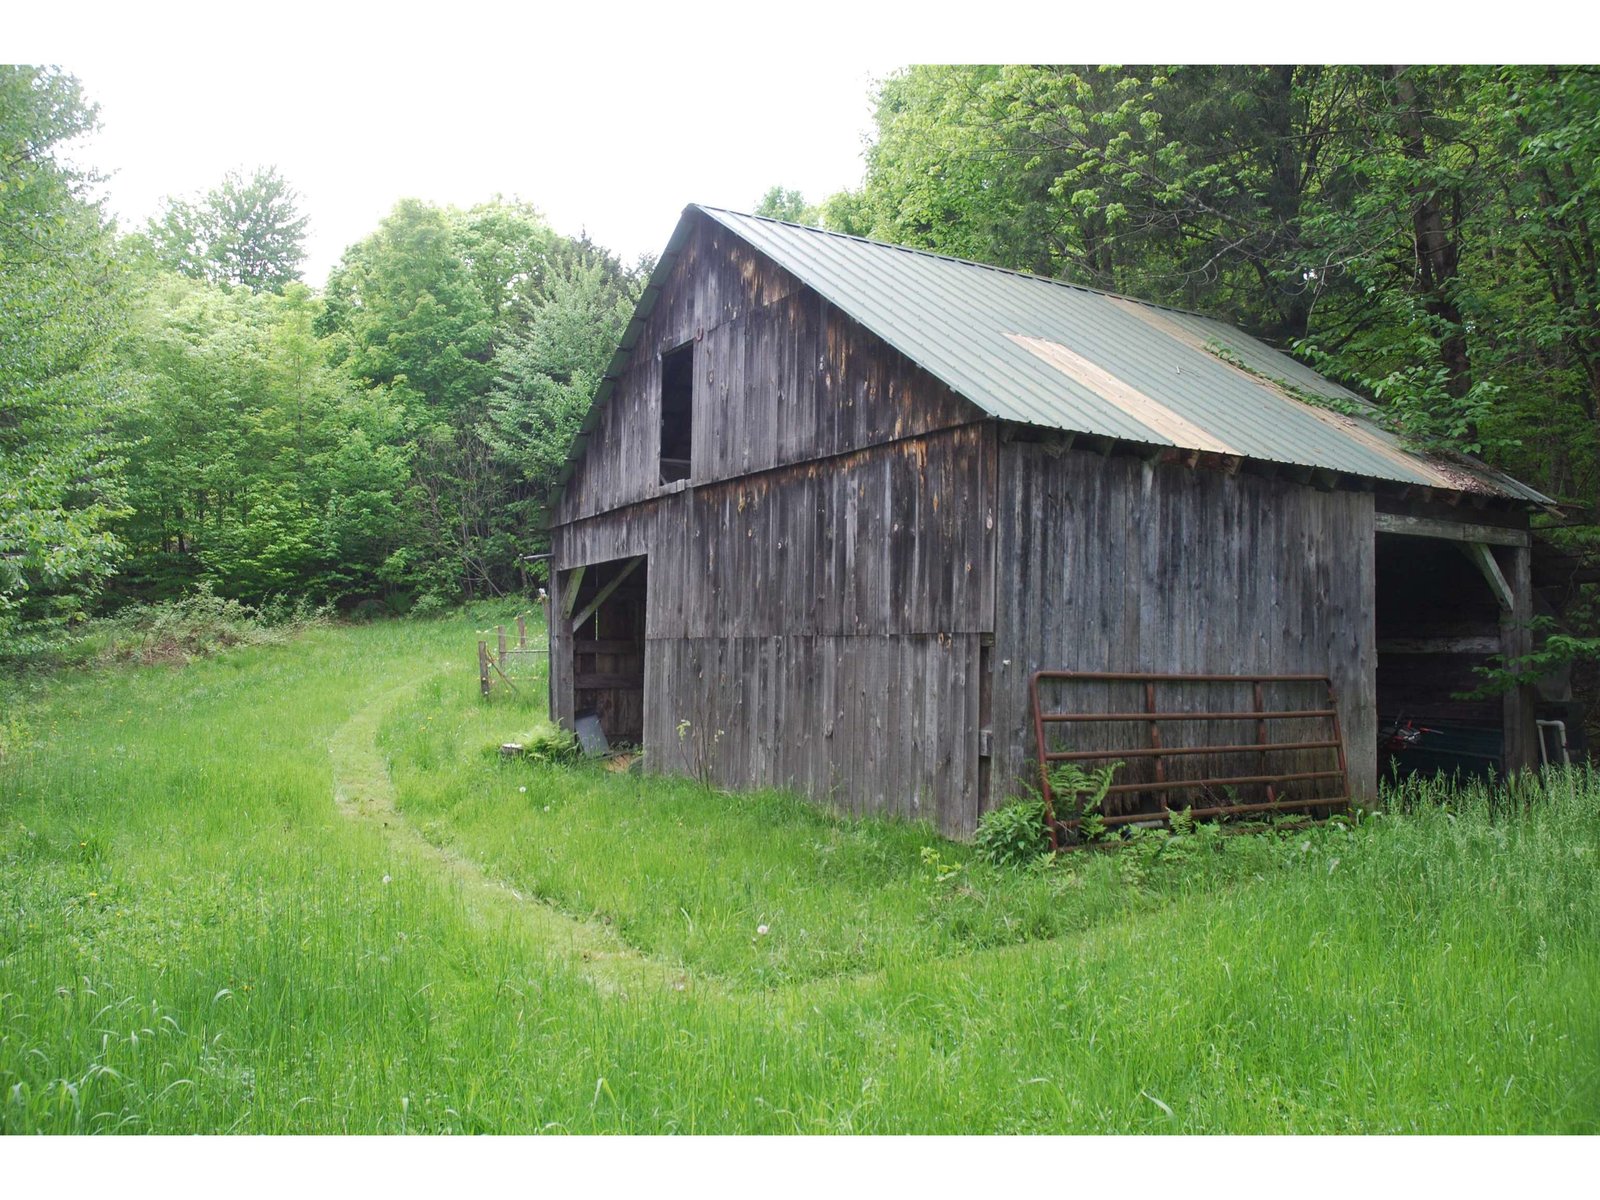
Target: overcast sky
(608, 116)
(595, 119)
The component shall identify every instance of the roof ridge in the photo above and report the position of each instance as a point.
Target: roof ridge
(966, 262)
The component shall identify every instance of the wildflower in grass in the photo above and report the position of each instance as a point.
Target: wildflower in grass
(386, 880)
(761, 930)
(547, 808)
(522, 789)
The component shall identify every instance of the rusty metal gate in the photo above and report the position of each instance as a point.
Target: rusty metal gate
(1149, 799)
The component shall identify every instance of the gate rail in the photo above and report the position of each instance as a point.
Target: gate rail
(1153, 718)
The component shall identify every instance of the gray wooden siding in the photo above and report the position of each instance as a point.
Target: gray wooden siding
(781, 377)
(877, 724)
(1115, 564)
(892, 540)
(825, 617)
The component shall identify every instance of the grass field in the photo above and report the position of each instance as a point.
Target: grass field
(290, 889)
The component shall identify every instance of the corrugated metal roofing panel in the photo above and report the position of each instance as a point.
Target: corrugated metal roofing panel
(1122, 368)
(1047, 353)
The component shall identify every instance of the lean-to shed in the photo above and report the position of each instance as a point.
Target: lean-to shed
(836, 501)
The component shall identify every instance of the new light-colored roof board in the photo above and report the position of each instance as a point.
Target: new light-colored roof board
(1046, 353)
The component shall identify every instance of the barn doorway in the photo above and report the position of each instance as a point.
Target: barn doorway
(1440, 616)
(607, 602)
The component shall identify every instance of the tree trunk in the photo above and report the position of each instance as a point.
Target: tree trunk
(1434, 237)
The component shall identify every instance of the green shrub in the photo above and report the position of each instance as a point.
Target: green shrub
(192, 626)
(1013, 834)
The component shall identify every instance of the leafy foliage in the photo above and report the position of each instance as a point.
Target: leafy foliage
(1079, 795)
(245, 232)
(62, 304)
(1013, 834)
(1422, 233)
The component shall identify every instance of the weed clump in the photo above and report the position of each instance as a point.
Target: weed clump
(1013, 835)
(542, 744)
(194, 626)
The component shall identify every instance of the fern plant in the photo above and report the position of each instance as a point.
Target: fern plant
(1079, 795)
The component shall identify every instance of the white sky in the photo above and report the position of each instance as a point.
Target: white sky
(606, 116)
(358, 109)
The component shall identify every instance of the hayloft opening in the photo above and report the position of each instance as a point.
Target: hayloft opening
(677, 412)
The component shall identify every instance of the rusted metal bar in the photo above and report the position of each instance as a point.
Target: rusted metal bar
(1261, 736)
(1155, 735)
(1338, 733)
(1141, 676)
(1231, 781)
(1173, 751)
(1304, 714)
(1044, 770)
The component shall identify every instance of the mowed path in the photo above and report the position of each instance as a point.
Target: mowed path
(364, 791)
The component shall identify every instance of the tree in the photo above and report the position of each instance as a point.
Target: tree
(786, 204)
(435, 307)
(61, 306)
(244, 233)
(548, 374)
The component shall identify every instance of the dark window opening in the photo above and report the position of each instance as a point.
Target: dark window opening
(677, 412)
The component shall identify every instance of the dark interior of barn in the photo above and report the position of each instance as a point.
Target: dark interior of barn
(1437, 623)
(608, 647)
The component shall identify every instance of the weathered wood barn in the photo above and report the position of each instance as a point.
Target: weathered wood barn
(836, 501)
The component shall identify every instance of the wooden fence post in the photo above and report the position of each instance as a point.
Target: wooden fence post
(500, 633)
(483, 667)
(522, 633)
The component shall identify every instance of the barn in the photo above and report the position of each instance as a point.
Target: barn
(838, 503)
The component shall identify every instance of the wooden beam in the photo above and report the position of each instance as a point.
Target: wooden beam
(1453, 531)
(1516, 632)
(603, 681)
(1441, 645)
(1483, 557)
(574, 582)
(605, 592)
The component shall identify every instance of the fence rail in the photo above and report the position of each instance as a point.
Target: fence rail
(507, 660)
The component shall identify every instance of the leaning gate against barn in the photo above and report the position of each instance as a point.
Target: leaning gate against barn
(836, 502)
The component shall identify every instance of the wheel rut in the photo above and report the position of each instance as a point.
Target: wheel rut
(364, 791)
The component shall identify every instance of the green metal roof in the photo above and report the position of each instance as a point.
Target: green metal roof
(1042, 352)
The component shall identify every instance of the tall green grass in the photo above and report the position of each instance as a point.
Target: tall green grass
(193, 938)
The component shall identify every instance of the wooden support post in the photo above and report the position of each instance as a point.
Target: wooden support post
(574, 582)
(500, 647)
(1516, 636)
(483, 667)
(522, 633)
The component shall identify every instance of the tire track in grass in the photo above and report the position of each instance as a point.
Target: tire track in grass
(364, 791)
